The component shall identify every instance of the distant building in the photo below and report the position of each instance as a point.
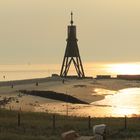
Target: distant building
(103, 77)
(129, 77)
(55, 75)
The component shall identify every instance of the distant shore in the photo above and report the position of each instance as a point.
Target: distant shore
(27, 81)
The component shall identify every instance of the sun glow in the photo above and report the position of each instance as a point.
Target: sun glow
(124, 68)
(125, 111)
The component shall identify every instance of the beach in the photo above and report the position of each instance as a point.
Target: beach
(85, 90)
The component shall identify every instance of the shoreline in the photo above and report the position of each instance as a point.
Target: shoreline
(86, 90)
(27, 81)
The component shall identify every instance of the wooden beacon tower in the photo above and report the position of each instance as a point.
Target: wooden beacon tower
(72, 53)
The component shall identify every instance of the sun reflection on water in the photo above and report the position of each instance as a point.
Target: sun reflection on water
(126, 68)
(123, 102)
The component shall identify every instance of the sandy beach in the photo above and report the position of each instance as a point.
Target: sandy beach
(86, 90)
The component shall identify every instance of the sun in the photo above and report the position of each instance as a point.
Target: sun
(124, 68)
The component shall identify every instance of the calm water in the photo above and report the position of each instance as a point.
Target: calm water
(120, 103)
(17, 72)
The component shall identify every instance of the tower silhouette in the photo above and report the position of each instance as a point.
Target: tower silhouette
(72, 53)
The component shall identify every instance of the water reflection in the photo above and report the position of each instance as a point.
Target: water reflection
(115, 104)
(123, 102)
(100, 91)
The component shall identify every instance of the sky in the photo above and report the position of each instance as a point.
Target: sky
(35, 31)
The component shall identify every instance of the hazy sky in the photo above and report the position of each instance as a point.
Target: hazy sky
(35, 31)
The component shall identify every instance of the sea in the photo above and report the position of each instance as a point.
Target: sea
(30, 71)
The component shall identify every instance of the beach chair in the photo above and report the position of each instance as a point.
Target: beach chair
(100, 131)
(69, 135)
(72, 135)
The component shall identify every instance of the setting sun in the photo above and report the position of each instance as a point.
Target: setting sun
(124, 68)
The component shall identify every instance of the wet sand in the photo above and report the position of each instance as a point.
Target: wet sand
(84, 90)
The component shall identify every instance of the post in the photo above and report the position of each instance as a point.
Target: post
(18, 118)
(125, 122)
(67, 109)
(10, 108)
(89, 122)
(104, 135)
(63, 81)
(36, 83)
(53, 122)
(67, 99)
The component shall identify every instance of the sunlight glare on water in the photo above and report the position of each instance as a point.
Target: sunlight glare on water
(28, 71)
(126, 68)
(124, 102)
